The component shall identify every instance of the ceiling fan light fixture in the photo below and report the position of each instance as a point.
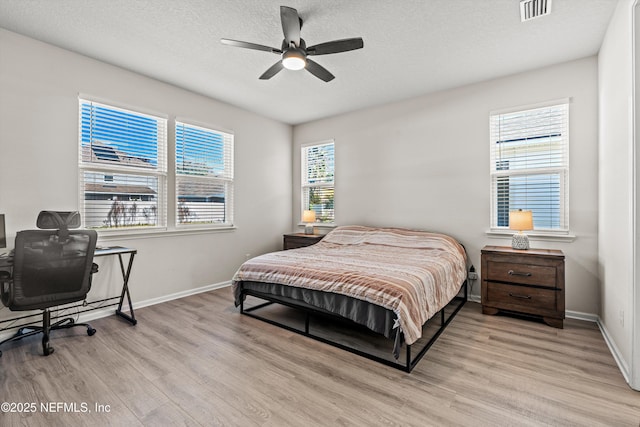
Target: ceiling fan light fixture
(293, 51)
(293, 60)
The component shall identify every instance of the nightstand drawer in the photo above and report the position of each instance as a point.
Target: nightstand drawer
(526, 274)
(522, 298)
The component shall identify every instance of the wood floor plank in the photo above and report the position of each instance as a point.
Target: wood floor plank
(197, 362)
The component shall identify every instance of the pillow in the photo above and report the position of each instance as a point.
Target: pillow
(347, 235)
(397, 237)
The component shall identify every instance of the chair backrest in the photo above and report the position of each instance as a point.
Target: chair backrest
(51, 267)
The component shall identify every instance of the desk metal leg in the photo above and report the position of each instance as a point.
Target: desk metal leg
(125, 290)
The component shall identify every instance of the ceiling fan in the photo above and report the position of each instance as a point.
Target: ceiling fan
(294, 50)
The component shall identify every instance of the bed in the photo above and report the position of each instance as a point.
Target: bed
(390, 280)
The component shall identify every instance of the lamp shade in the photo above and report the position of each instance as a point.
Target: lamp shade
(521, 220)
(308, 216)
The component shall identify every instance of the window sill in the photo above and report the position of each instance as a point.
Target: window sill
(106, 235)
(322, 225)
(319, 224)
(535, 236)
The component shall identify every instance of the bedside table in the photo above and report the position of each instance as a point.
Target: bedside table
(300, 240)
(527, 282)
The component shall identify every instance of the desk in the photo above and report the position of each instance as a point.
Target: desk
(119, 250)
(6, 262)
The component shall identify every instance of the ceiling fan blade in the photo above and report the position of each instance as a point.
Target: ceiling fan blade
(248, 45)
(290, 25)
(319, 71)
(272, 71)
(336, 46)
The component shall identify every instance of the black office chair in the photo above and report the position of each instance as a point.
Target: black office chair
(51, 267)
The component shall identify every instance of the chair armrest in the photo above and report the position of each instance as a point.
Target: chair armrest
(6, 290)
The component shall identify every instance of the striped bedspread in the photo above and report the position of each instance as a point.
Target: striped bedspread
(412, 273)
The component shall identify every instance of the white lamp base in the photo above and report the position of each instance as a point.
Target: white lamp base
(308, 229)
(520, 241)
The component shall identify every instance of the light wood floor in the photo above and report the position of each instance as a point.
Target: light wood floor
(197, 361)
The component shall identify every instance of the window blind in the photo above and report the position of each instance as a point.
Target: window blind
(113, 136)
(122, 167)
(318, 164)
(530, 166)
(204, 176)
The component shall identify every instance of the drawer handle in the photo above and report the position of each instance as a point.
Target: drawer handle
(519, 296)
(517, 273)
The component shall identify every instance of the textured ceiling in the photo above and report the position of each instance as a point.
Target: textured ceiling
(411, 47)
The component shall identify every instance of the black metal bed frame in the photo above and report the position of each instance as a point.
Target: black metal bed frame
(410, 362)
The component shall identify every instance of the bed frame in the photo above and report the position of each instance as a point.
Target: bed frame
(410, 361)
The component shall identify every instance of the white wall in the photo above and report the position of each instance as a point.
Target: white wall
(615, 225)
(635, 312)
(424, 163)
(39, 87)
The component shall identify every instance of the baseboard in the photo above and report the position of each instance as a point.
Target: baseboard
(617, 356)
(590, 317)
(181, 294)
(109, 311)
(578, 315)
(474, 298)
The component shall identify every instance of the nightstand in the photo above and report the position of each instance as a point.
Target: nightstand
(527, 282)
(300, 240)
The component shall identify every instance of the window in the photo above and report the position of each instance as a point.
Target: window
(123, 168)
(318, 181)
(530, 166)
(204, 176)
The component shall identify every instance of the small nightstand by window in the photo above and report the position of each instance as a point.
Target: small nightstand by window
(300, 240)
(529, 282)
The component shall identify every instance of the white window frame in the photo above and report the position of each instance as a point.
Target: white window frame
(88, 163)
(561, 170)
(306, 185)
(224, 178)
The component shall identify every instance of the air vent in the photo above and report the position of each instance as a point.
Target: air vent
(531, 9)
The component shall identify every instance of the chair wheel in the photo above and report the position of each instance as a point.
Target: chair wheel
(91, 331)
(48, 350)
(0, 354)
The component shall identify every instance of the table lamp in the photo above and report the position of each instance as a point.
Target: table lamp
(308, 217)
(520, 220)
